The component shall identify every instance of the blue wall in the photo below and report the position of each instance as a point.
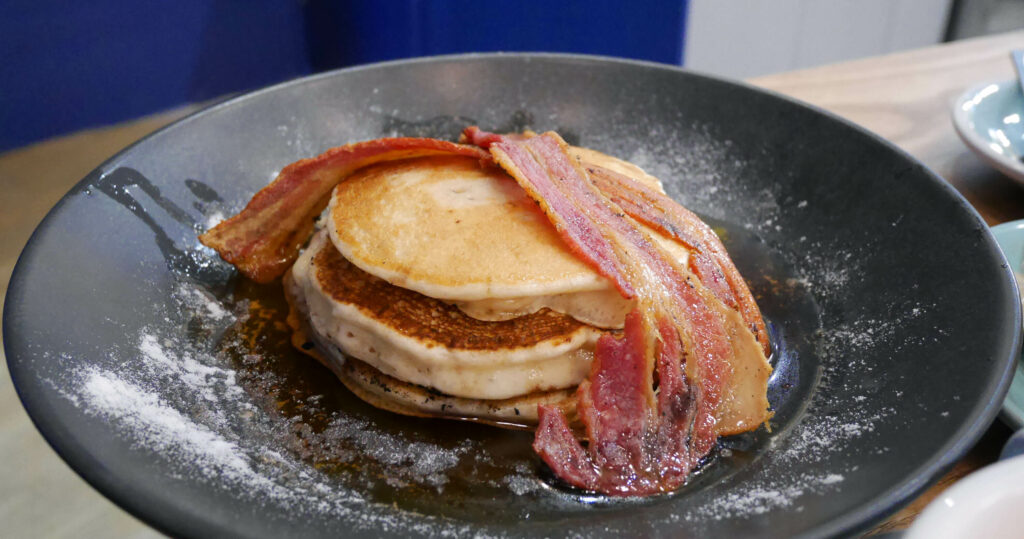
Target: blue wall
(66, 65)
(355, 32)
(69, 65)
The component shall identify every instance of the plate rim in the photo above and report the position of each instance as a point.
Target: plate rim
(860, 518)
(1012, 412)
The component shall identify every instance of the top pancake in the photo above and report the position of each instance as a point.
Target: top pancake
(452, 229)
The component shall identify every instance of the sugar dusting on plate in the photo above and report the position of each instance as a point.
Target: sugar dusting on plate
(182, 402)
(830, 424)
(160, 427)
(185, 405)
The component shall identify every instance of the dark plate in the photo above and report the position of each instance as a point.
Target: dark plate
(164, 380)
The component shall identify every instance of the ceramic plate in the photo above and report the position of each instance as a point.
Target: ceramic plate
(167, 382)
(1011, 238)
(984, 504)
(989, 119)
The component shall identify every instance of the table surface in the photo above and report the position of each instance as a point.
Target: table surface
(904, 97)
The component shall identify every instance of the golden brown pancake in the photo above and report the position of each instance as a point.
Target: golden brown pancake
(391, 394)
(428, 342)
(437, 325)
(467, 235)
(452, 229)
(429, 320)
(448, 228)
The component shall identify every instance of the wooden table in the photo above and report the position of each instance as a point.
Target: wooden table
(904, 97)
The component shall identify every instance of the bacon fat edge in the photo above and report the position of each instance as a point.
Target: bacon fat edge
(641, 442)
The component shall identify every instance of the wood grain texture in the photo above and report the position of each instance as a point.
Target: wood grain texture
(904, 97)
(907, 98)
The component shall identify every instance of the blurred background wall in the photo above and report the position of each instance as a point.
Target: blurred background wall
(67, 65)
(782, 35)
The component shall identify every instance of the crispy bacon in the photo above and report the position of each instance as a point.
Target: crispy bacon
(709, 260)
(641, 442)
(263, 240)
(581, 235)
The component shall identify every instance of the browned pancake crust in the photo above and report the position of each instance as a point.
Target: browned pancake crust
(388, 393)
(431, 321)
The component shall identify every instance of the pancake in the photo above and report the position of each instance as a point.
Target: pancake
(615, 164)
(437, 284)
(408, 353)
(451, 229)
(391, 394)
(430, 343)
(448, 228)
(431, 227)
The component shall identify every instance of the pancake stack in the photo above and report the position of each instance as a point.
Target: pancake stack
(434, 286)
(519, 281)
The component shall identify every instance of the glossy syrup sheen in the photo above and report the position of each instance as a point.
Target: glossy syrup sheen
(477, 472)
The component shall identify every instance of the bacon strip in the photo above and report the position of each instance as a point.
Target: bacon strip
(581, 235)
(640, 442)
(709, 260)
(263, 240)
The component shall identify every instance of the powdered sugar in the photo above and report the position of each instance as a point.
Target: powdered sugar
(407, 461)
(756, 500)
(185, 406)
(185, 402)
(160, 427)
(195, 297)
(843, 410)
(750, 501)
(179, 398)
(213, 219)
